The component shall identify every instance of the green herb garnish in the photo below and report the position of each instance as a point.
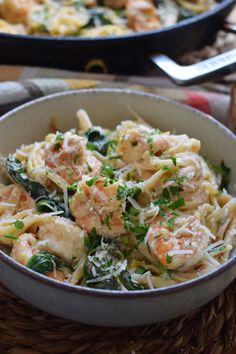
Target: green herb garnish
(224, 171)
(140, 270)
(11, 237)
(19, 224)
(125, 191)
(90, 182)
(107, 171)
(174, 160)
(92, 241)
(44, 262)
(177, 204)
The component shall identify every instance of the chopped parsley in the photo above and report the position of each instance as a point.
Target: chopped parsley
(57, 147)
(149, 140)
(11, 237)
(59, 136)
(164, 272)
(134, 211)
(140, 270)
(140, 230)
(125, 191)
(175, 190)
(164, 198)
(19, 224)
(177, 204)
(176, 179)
(224, 171)
(107, 171)
(168, 259)
(155, 131)
(174, 160)
(90, 182)
(107, 220)
(218, 249)
(91, 146)
(125, 239)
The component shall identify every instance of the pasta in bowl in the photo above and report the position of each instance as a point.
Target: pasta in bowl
(115, 213)
(125, 209)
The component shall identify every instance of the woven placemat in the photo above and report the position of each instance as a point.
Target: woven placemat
(27, 330)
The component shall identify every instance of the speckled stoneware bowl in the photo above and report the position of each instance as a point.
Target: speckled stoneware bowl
(104, 307)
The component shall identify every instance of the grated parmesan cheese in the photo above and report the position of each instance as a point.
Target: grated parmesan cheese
(65, 196)
(179, 252)
(215, 244)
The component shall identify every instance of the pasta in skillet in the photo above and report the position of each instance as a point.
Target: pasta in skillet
(129, 209)
(94, 17)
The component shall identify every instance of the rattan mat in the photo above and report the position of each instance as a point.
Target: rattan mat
(27, 330)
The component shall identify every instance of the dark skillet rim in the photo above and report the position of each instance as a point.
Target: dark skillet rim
(224, 4)
(116, 294)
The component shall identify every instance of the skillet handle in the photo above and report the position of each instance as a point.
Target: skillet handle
(200, 72)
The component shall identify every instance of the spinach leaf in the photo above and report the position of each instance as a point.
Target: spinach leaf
(98, 16)
(125, 279)
(92, 241)
(99, 142)
(110, 284)
(224, 171)
(96, 141)
(44, 262)
(45, 203)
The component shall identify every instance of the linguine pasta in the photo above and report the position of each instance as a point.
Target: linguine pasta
(128, 209)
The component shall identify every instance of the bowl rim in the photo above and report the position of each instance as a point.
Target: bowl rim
(119, 293)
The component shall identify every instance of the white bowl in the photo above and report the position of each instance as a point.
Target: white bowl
(30, 123)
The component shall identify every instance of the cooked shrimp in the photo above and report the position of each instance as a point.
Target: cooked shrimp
(96, 206)
(182, 249)
(24, 248)
(61, 237)
(116, 4)
(133, 142)
(56, 274)
(13, 198)
(69, 158)
(15, 11)
(142, 15)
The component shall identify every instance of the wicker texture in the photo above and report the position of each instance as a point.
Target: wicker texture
(26, 330)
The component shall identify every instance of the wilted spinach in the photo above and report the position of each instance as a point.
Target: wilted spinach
(44, 262)
(44, 201)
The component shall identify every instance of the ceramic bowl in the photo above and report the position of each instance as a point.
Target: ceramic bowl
(31, 123)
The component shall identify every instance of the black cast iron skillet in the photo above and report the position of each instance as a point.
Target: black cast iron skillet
(121, 53)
